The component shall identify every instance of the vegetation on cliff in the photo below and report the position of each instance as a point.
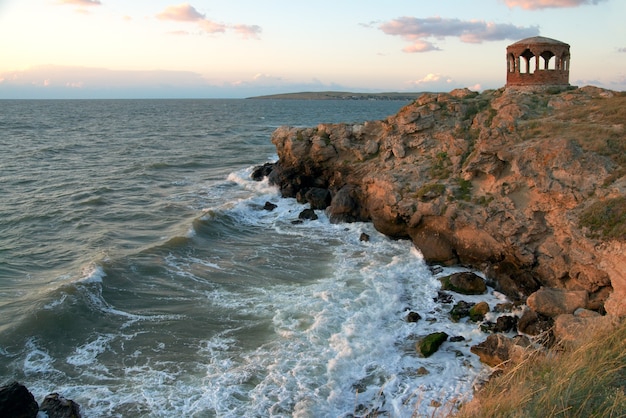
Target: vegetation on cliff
(587, 379)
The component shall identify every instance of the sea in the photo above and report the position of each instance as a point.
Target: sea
(141, 276)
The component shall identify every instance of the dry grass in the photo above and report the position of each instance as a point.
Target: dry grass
(588, 380)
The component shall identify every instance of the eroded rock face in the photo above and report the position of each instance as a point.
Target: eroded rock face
(497, 181)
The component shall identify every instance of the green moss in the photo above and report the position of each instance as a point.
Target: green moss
(431, 343)
(606, 219)
(464, 191)
(430, 191)
(441, 167)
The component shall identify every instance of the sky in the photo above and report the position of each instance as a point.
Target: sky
(243, 48)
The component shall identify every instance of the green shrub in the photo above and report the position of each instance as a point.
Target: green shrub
(606, 219)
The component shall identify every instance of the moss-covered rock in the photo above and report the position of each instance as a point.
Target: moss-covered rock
(466, 283)
(478, 311)
(428, 345)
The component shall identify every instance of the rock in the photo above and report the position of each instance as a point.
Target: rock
(457, 338)
(308, 214)
(512, 281)
(478, 311)
(503, 307)
(505, 323)
(498, 349)
(443, 297)
(16, 401)
(429, 345)
(269, 206)
(413, 317)
(344, 206)
(460, 310)
(554, 302)
(511, 199)
(56, 406)
(532, 323)
(466, 283)
(364, 237)
(422, 371)
(318, 197)
(568, 327)
(262, 171)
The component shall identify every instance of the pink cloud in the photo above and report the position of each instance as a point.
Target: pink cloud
(545, 4)
(186, 13)
(182, 13)
(418, 30)
(420, 46)
(81, 2)
(209, 26)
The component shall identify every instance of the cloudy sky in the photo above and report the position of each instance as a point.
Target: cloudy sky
(241, 48)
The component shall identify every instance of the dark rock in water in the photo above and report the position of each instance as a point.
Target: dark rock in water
(505, 323)
(478, 311)
(443, 297)
(460, 310)
(16, 401)
(509, 279)
(503, 307)
(364, 237)
(318, 198)
(457, 338)
(422, 371)
(56, 406)
(308, 214)
(269, 206)
(297, 222)
(466, 283)
(344, 206)
(435, 269)
(413, 317)
(429, 345)
(262, 171)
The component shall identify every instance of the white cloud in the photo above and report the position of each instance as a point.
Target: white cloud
(432, 78)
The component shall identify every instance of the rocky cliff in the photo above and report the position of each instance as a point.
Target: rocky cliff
(528, 186)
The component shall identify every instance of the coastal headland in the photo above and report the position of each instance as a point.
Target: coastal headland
(526, 185)
(340, 95)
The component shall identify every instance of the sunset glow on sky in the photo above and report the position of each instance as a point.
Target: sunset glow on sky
(241, 48)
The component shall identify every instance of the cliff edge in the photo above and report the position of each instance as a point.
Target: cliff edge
(527, 186)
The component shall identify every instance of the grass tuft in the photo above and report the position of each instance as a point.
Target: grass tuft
(588, 380)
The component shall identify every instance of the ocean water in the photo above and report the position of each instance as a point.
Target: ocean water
(141, 277)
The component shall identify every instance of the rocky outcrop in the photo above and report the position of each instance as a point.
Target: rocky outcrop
(16, 401)
(504, 181)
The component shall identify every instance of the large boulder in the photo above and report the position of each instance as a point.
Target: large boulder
(554, 302)
(16, 401)
(466, 283)
(56, 406)
(317, 197)
(568, 327)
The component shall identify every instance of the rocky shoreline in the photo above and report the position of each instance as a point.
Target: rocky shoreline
(506, 182)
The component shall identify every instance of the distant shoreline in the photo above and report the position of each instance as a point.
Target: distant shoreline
(341, 95)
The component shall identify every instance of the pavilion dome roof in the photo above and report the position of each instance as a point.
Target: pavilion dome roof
(539, 40)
